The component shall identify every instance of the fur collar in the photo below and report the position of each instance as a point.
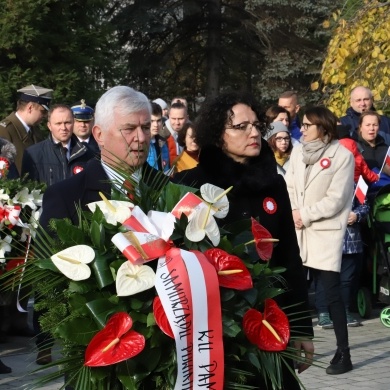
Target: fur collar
(256, 175)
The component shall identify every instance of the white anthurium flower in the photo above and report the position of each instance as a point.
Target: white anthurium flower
(202, 223)
(132, 279)
(114, 211)
(3, 195)
(5, 247)
(72, 262)
(24, 198)
(217, 198)
(37, 197)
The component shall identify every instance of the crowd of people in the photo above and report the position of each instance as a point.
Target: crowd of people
(297, 178)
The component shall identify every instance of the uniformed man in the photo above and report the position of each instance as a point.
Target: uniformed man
(18, 127)
(83, 123)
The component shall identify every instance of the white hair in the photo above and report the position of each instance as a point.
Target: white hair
(122, 99)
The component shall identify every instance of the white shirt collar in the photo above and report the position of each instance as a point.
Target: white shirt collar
(25, 125)
(117, 179)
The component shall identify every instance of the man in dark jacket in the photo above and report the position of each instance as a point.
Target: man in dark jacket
(122, 131)
(61, 155)
(362, 100)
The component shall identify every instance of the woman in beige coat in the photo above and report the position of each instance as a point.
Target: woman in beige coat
(320, 185)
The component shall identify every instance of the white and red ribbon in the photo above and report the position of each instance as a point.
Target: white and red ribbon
(188, 287)
(148, 236)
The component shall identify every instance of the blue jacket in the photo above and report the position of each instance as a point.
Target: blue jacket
(295, 128)
(158, 156)
(351, 121)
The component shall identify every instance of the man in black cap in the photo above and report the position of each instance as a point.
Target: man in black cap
(18, 127)
(83, 123)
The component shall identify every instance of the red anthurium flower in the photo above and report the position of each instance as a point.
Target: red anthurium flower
(263, 240)
(232, 272)
(269, 331)
(115, 343)
(161, 318)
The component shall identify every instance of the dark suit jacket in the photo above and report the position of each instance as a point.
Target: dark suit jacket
(59, 200)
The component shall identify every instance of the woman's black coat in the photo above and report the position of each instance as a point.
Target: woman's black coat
(259, 192)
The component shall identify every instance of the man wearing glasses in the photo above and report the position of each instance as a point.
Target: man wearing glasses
(18, 127)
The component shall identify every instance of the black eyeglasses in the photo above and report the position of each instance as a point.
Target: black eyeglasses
(244, 126)
(307, 125)
(280, 139)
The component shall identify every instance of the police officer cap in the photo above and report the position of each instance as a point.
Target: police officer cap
(36, 94)
(82, 112)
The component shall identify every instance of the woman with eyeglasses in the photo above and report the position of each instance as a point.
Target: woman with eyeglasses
(280, 142)
(229, 131)
(320, 184)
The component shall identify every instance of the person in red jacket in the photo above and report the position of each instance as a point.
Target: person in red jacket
(361, 167)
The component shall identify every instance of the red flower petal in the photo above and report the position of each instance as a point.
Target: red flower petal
(223, 261)
(161, 318)
(264, 249)
(259, 334)
(115, 343)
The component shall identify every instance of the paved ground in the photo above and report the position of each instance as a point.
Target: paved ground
(370, 348)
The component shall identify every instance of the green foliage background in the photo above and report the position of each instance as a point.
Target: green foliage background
(162, 48)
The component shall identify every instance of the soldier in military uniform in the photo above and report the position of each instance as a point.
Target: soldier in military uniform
(18, 127)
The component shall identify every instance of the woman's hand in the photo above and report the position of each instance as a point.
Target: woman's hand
(297, 219)
(352, 218)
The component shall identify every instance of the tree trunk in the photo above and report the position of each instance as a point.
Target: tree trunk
(213, 48)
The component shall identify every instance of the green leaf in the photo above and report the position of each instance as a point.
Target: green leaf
(151, 321)
(101, 269)
(81, 287)
(254, 360)
(69, 234)
(46, 264)
(97, 234)
(230, 327)
(102, 309)
(79, 330)
(225, 244)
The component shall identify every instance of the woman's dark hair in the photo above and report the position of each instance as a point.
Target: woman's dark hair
(217, 113)
(368, 113)
(325, 120)
(181, 135)
(273, 112)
